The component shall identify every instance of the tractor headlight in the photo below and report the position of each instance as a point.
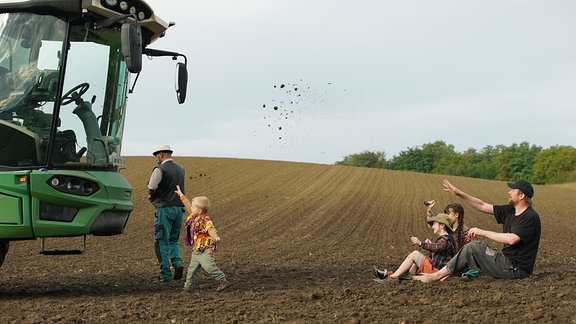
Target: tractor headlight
(73, 185)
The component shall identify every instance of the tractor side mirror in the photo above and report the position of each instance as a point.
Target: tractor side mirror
(181, 81)
(131, 41)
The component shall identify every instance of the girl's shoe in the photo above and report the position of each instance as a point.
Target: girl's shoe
(380, 274)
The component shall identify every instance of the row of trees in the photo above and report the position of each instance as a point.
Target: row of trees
(556, 164)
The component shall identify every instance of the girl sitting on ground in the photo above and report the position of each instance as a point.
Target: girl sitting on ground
(439, 252)
(456, 213)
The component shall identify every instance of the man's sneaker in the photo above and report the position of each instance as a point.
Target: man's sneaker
(380, 274)
(223, 285)
(470, 274)
(179, 272)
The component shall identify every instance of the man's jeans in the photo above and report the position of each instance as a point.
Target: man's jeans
(489, 260)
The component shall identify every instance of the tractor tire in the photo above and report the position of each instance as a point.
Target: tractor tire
(4, 245)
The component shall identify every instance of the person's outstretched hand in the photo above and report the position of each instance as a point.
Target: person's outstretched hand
(430, 205)
(449, 187)
(178, 191)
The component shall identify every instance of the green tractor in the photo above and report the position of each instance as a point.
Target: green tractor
(65, 68)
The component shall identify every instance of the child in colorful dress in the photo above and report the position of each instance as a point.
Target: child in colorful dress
(202, 236)
(440, 252)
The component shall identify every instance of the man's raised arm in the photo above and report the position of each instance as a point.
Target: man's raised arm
(470, 200)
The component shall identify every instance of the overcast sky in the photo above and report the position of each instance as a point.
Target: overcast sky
(316, 80)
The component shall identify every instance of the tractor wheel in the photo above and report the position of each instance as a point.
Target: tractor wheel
(4, 245)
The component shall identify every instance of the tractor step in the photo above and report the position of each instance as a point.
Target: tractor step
(61, 252)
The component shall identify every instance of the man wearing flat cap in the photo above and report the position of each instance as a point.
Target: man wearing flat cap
(169, 211)
(520, 237)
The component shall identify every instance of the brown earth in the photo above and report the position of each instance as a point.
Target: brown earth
(299, 241)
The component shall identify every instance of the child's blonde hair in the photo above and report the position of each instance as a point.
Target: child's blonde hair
(202, 202)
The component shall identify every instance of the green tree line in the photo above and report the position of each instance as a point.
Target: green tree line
(556, 164)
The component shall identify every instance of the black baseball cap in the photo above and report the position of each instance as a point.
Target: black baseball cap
(523, 186)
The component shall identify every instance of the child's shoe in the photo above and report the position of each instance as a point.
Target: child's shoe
(380, 274)
(225, 284)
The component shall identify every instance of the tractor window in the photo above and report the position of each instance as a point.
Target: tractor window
(27, 92)
(87, 65)
(96, 75)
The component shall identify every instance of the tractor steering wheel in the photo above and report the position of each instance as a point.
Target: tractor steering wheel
(71, 95)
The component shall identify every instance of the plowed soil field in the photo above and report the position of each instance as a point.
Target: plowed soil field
(298, 245)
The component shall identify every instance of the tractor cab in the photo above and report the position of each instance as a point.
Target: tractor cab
(63, 89)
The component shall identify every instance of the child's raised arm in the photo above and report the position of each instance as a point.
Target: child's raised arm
(185, 201)
(430, 207)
